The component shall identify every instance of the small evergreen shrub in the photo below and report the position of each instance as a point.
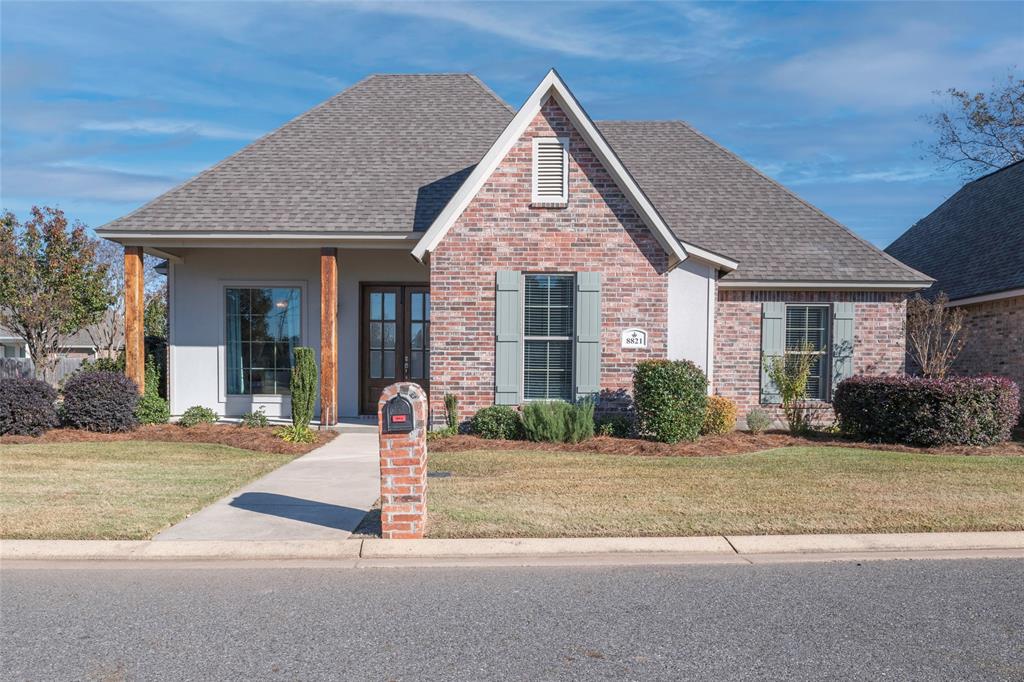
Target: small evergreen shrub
(558, 422)
(26, 407)
(451, 411)
(670, 398)
(296, 434)
(497, 422)
(152, 409)
(102, 365)
(927, 412)
(197, 414)
(256, 419)
(720, 417)
(614, 425)
(303, 388)
(100, 401)
(758, 421)
(580, 424)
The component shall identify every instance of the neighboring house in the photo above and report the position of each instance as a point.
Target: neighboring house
(973, 245)
(78, 346)
(416, 227)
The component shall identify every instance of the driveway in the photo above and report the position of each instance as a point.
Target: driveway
(322, 495)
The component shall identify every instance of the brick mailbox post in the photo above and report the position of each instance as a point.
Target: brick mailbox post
(402, 425)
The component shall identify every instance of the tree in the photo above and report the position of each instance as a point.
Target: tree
(155, 315)
(980, 133)
(935, 334)
(107, 334)
(790, 374)
(50, 283)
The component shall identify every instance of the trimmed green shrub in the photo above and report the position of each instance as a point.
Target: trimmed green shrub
(296, 434)
(558, 422)
(256, 419)
(670, 398)
(102, 365)
(614, 425)
(197, 414)
(580, 424)
(927, 412)
(451, 411)
(497, 422)
(152, 409)
(26, 407)
(720, 416)
(303, 387)
(758, 421)
(100, 401)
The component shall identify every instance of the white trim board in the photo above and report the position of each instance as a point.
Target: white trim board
(554, 87)
(819, 286)
(984, 298)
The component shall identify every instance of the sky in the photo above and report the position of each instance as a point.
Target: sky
(107, 105)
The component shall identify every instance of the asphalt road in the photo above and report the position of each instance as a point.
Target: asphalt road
(926, 620)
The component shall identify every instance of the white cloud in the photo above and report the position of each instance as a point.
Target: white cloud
(92, 183)
(156, 126)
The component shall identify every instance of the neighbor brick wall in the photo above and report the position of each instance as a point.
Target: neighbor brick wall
(598, 232)
(879, 344)
(995, 342)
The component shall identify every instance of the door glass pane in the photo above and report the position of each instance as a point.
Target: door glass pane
(375, 364)
(389, 364)
(375, 306)
(426, 314)
(416, 365)
(389, 335)
(376, 335)
(417, 306)
(416, 335)
(389, 306)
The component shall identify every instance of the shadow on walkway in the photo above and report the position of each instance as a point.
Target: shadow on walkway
(295, 508)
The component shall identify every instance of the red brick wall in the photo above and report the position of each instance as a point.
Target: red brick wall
(598, 232)
(995, 344)
(879, 344)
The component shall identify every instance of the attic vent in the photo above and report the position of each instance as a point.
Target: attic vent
(550, 170)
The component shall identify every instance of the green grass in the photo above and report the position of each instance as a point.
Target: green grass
(123, 490)
(788, 490)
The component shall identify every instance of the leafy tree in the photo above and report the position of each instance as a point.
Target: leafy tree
(980, 133)
(50, 283)
(935, 334)
(108, 333)
(155, 315)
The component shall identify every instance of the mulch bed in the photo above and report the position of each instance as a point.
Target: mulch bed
(735, 443)
(258, 439)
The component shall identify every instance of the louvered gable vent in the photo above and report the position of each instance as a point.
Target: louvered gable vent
(550, 170)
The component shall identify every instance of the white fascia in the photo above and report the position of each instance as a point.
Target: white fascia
(983, 298)
(553, 86)
(822, 286)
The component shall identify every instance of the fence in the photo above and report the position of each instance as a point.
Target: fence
(11, 368)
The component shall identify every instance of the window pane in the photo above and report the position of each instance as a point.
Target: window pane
(417, 306)
(376, 306)
(263, 327)
(375, 364)
(376, 335)
(808, 326)
(389, 335)
(416, 335)
(427, 306)
(389, 364)
(548, 305)
(389, 306)
(416, 365)
(548, 370)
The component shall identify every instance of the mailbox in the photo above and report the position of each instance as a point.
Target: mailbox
(398, 417)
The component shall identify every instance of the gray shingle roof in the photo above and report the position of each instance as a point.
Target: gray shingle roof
(388, 153)
(973, 244)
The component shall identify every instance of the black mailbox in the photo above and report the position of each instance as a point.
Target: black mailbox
(398, 415)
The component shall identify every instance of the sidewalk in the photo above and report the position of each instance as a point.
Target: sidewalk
(322, 495)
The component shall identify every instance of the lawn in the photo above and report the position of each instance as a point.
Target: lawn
(493, 493)
(120, 490)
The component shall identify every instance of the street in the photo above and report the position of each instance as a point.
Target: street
(926, 620)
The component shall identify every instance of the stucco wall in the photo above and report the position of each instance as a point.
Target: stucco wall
(197, 316)
(691, 294)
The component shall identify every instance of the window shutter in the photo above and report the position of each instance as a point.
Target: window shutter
(550, 170)
(508, 337)
(773, 344)
(842, 342)
(588, 334)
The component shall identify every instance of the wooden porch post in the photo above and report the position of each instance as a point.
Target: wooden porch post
(134, 311)
(328, 336)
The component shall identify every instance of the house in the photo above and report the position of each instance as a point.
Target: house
(417, 227)
(82, 345)
(973, 245)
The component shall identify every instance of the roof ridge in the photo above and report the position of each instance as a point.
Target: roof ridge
(991, 173)
(223, 161)
(486, 88)
(807, 204)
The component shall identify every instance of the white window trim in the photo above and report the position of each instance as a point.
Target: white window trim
(564, 198)
(826, 379)
(523, 338)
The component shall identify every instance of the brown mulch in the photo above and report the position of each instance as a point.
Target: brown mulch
(735, 443)
(258, 440)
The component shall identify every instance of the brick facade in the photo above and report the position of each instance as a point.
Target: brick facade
(403, 468)
(879, 342)
(597, 232)
(995, 344)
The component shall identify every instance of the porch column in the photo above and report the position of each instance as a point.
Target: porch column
(328, 336)
(134, 312)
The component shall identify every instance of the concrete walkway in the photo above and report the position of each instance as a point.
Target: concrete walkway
(322, 495)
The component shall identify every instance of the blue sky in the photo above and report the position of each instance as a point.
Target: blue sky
(105, 105)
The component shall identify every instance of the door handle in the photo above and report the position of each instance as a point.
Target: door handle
(405, 374)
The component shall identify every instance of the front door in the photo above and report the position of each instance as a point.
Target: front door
(394, 339)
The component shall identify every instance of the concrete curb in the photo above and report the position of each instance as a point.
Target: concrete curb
(541, 548)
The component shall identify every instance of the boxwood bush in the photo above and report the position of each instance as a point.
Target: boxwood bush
(26, 407)
(100, 401)
(670, 399)
(558, 422)
(720, 417)
(926, 412)
(497, 422)
(195, 415)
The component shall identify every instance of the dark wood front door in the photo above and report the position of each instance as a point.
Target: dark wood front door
(394, 339)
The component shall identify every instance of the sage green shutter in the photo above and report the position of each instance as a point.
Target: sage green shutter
(588, 334)
(842, 342)
(773, 345)
(508, 338)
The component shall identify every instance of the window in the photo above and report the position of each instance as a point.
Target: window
(262, 333)
(807, 328)
(547, 337)
(550, 170)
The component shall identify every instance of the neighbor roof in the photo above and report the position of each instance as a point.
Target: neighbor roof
(386, 155)
(973, 244)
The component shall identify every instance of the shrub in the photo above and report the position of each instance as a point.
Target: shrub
(558, 422)
(102, 365)
(926, 412)
(614, 425)
(790, 374)
(497, 422)
(152, 409)
(100, 401)
(26, 407)
(720, 416)
(256, 419)
(303, 388)
(296, 434)
(670, 397)
(451, 411)
(758, 421)
(197, 414)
